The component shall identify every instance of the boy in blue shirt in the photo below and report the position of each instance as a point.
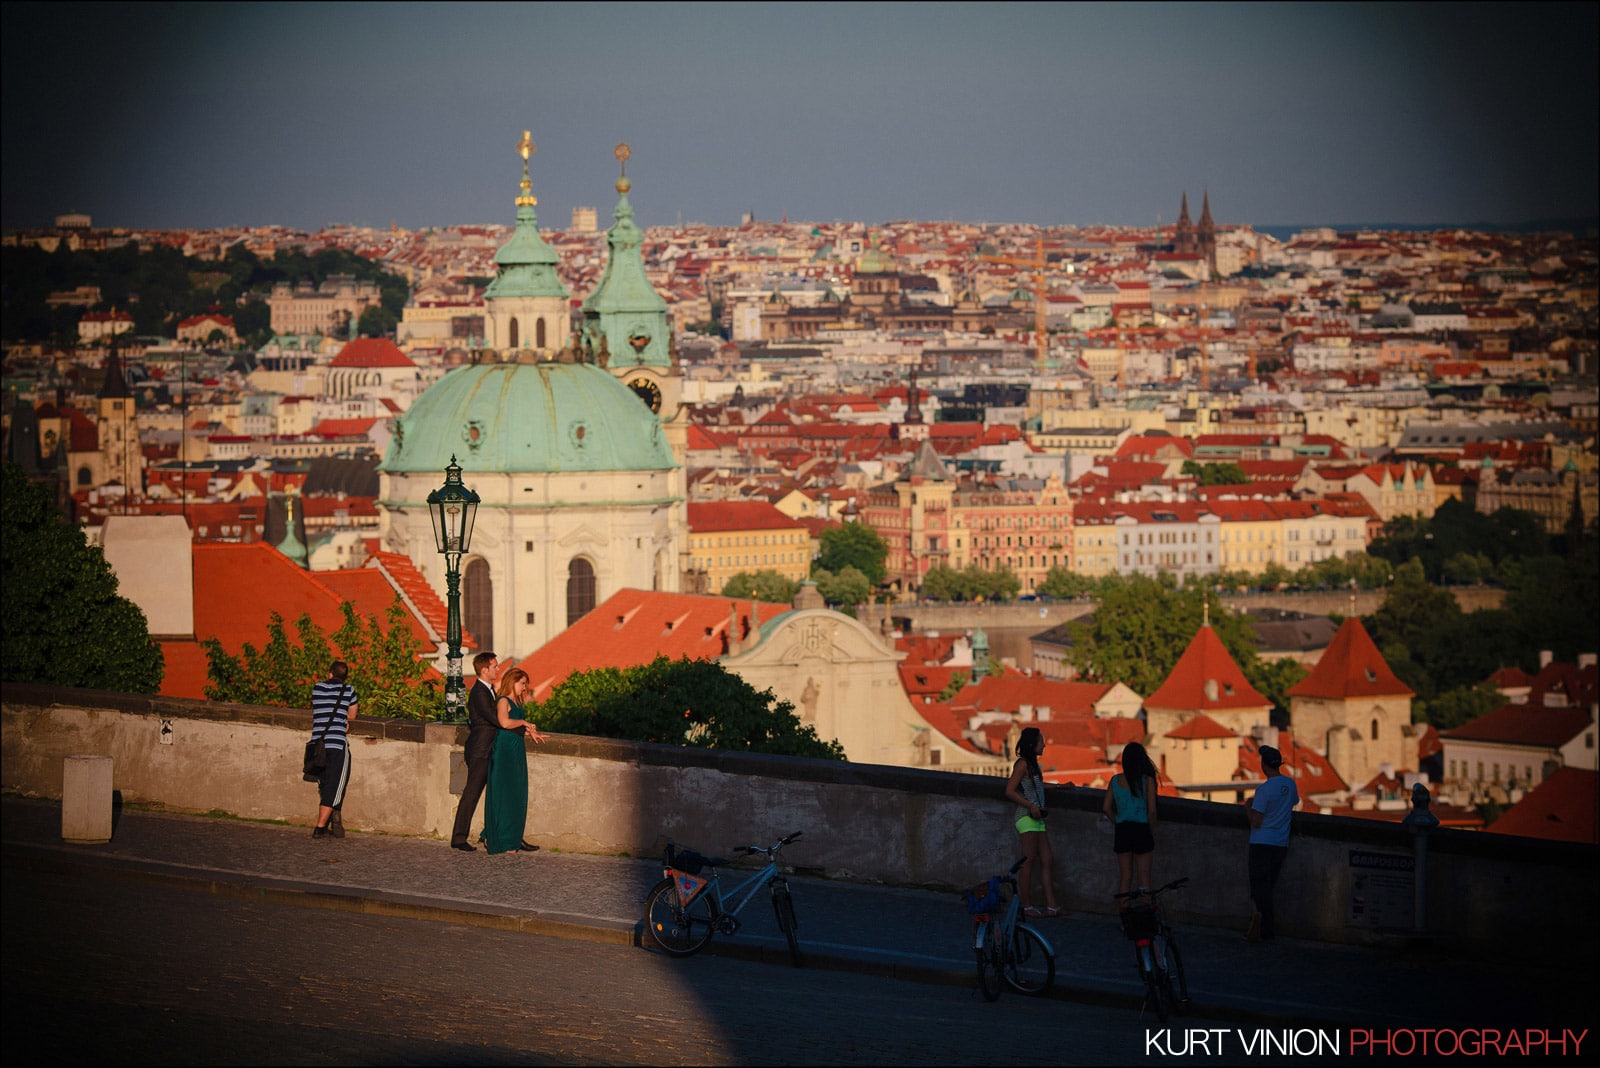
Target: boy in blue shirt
(1269, 813)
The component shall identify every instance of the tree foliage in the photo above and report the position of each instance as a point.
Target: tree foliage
(1064, 583)
(943, 583)
(843, 590)
(853, 545)
(1216, 474)
(65, 624)
(384, 669)
(680, 702)
(1141, 626)
(764, 585)
(1457, 529)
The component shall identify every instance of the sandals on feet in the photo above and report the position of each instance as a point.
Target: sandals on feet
(1034, 912)
(1052, 911)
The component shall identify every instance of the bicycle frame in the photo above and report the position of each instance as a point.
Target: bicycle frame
(747, 887)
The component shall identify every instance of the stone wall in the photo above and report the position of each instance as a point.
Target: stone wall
(863, 822)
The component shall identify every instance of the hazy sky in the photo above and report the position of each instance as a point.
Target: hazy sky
(203, 115)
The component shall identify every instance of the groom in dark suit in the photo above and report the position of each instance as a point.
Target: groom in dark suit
(482, 724)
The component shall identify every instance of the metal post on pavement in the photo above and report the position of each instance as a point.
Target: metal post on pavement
(1420, 821)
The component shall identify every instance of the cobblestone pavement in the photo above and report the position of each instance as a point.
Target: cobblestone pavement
(844, 927)
(133, 973)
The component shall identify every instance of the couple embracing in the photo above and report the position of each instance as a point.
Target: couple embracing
(497, 758)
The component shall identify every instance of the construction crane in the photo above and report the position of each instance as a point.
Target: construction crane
(1041, 302)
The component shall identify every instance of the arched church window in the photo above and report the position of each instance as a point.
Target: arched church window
(85, 478)
(477, 603)
(580, 589)
(515, 335)
(1374, 728)
(539, 333)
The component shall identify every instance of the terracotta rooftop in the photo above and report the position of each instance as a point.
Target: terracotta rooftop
(1205, 677)
(1351, 666)
(1562, 809)
(1530, 725)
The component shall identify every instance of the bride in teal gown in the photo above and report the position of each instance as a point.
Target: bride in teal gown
(505, 814)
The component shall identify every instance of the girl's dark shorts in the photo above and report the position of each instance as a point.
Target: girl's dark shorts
(1133, 838)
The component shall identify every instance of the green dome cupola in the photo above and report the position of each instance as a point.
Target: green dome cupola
(527, 303)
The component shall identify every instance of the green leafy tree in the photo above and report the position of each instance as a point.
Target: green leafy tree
(1141, 625)
(64, 622)
(376, 321)
(957, 683)
(1064, 583)
(680, 702)
(843, 590)
(1216, 474)
(943, 583)
(383, 657)
(1459, 706)
(853, 545)
(765, 585)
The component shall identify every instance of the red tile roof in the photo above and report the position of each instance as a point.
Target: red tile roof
(633, 627)
(238, 587)
(1530, 725)
(737, 515)
(1351, 666)
(1310, 770)
(1205, 677)
(1561, 809)
(1202, 726)
(372, 352)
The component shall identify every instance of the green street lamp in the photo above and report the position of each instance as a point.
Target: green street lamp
(453, 507)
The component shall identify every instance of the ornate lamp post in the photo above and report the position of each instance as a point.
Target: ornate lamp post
(453, 508)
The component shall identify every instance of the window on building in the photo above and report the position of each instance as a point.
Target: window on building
(477, 603)
(580, 590)
(514, 335)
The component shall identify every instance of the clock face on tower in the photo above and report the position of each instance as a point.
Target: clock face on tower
(648, 392)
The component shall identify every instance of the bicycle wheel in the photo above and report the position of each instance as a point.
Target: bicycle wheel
(677, 929)
(1030, 966)
(1155, 983)
(1177, 985)
(987, 948)
(783, 907)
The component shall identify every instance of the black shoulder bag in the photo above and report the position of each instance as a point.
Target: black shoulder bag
(316, 761)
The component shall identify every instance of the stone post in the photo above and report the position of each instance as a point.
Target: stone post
(1420, 822)
(86, 799)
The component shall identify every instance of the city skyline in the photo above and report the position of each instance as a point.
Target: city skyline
(197, 116)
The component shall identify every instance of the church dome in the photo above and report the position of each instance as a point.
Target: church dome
(528, 417)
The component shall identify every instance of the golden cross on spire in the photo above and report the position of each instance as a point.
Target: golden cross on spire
(526, 148)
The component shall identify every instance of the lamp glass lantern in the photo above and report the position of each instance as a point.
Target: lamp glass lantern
(453, 507)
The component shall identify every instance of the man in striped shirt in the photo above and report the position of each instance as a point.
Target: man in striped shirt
(333, 706)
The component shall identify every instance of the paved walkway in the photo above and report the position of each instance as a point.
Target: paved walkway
(908, 934)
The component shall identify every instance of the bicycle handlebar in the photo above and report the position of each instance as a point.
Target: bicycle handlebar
(771, 849)
(1176, 884)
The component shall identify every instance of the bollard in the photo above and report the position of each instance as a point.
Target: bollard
(1420, 821)
(86, 799)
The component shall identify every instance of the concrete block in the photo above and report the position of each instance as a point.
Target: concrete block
(86, 799)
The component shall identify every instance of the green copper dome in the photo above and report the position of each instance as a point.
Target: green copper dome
(527, 264)
(529, 417)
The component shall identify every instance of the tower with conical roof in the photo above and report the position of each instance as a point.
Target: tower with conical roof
(1353, 710)
(527, 305)
(291, 545)
(117, 427)
(1205, 681)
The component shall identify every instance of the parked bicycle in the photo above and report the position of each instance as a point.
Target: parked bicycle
(1004, 947)
(1156, 950)
(687, 907)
